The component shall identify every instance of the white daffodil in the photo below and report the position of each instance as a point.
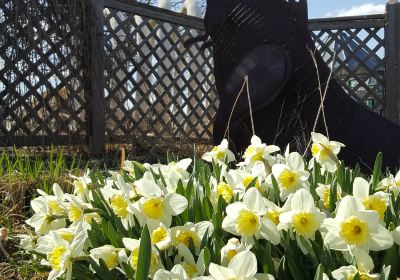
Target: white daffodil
(44, 218)
(241, 179)
(225, 190)
(355, 227)
(391, 184)
(363, 266)
(259, 151)
(396, 235)
(274, 211)
(108, 253)
(231, 249)
(55, 202)
(189, 231)
(378, 202)
(76, 210)
(304, 217)
(243, 266)
(60, 253)
(324, 193)
(82, 185)
(220, 153)
(290, 176)
(325, 152)
(156, 203)
(133, 246)
(247, 219)
(177, 273)
(193, 268)
(160, 235)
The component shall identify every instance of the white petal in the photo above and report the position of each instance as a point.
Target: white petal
(396, 235)
(220, 272)
(295, 161)
(269, 231)
(254, 201)
(360, 188)
(202, 227)
(131, 244)
(175, 203)
(79, 241)
(244, 264)
(184, 163)
(148, 188)
(162, 274)
(371, 217)
(179, 271)
(186, 254)
(381, 239)
(348, 206)
(363, 260)
(302, 200)
(319, 138)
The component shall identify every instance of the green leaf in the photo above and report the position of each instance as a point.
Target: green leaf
(376, 176)
(319, 273)
(143, 267)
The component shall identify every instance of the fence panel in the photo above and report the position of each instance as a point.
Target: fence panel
(42, 98)
(358, 47)
(154, 85)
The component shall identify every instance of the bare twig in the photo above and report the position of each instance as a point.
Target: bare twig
(321, 108)
(233, 108)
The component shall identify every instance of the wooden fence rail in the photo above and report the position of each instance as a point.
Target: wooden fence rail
(110, 71)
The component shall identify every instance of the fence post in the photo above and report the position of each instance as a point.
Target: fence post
(95, 74)
(392, 42)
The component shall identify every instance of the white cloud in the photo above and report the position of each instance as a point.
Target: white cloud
(365, 9)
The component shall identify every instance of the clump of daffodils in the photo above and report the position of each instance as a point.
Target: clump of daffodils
(269, 216)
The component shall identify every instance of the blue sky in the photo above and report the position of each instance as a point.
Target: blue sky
(327, 8)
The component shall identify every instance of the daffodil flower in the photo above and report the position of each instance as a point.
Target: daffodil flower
(231, 249)
(81, 185)
(177, 273)
(324, 193)
(290, 176)
(61, 253)
(44, 219)
(243, 266)
(247, 219)
(160, 235)
(391, 184)
(364, 265)
(396, 235)
(378, 202)
(108, 253)
(220, 153)
(259, 151)
(193, 268)
(156, 203)
(355, 227)
(133, 246)
(304, 218)
(325, 152)
(241, 179)
(190, 231)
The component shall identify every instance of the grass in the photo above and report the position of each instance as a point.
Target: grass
(23, 171)
(21, 174)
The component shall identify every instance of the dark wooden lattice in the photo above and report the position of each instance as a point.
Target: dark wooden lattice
(41, 83)
(154, 85)
(359, 61)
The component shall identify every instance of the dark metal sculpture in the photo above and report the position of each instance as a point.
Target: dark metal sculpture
(268, 41)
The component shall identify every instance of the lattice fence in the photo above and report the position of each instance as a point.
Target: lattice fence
(359, 65)
(41, 80)
(153, 86)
